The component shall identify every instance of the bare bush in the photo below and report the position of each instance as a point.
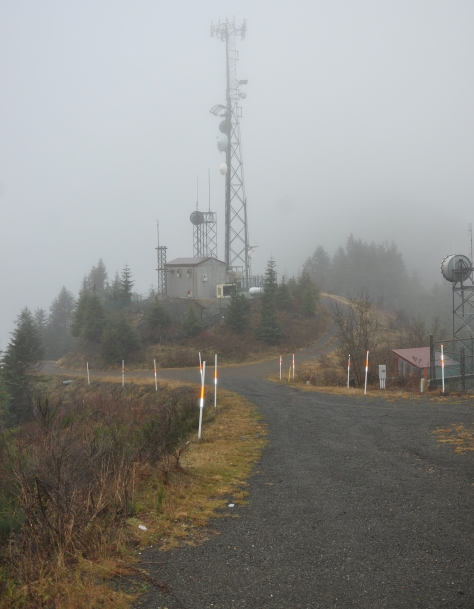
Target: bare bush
(73, 471)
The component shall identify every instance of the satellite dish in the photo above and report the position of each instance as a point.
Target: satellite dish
(197, 217)
(243, 94)
(222, 142)
(252, 253)
(456, 267)
(223, 168)
(224, 126)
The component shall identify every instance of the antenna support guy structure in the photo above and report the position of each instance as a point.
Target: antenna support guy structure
(236, 229)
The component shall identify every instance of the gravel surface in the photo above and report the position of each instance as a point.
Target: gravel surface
(353, 503)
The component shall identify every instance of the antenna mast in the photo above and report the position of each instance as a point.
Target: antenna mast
(236, 229)
(161, 260)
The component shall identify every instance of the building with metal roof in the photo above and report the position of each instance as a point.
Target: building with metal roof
(194, 277)
(416, 361)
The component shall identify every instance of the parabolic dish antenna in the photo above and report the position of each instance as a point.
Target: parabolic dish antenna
(197, 217)
(252, 253)
(456, 267)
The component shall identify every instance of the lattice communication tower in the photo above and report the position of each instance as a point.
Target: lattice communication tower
(161, 259)
(458, 270)
(236, 229)
(204, 233)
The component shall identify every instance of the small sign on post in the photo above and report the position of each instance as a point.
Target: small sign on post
(382, 375)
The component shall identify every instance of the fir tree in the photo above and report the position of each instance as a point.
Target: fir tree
(269, 330)
(58, 340)
(118, 340)
(283, 296)
(237, 313)
(23, 356)
(97, 280)
(192, 325)
(157, 319)
(126, 285)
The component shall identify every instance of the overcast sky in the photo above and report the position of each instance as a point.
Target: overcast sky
(359, 118)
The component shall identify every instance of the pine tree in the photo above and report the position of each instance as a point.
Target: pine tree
(126, 285)
(89, 316)
(237, 313)
(269, 330)
(58, 339)
(283, 296)
(118, 340)
(157, 319)
(192, 325)
(318, 267)
(97, 280)
(23, 356)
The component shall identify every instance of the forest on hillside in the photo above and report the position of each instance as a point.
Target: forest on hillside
(377, 271)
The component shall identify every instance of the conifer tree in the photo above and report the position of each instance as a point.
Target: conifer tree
(237, 313)
(118, 340)
(58, 340)
(126, 285)
(269, 330)
(192, 325)
(157, 319)
(23, 356)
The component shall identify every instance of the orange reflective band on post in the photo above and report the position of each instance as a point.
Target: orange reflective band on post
(202, 393)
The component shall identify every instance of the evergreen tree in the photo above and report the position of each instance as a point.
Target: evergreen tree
(89, 316)
(5, 400)
(269, 330)
(118, 340)
(306, 295)
(23, 356)
(157, 320)
(237, 313)
(318, 267)
(283, 296)
(41, 321)
(126, 285)
(97, 280)
(58, 340)
(192, 325)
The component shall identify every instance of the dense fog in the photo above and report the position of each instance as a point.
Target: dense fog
(358, 120)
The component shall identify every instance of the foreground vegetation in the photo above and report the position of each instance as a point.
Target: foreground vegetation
(94, 464)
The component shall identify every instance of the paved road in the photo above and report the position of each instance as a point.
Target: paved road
(353, 504)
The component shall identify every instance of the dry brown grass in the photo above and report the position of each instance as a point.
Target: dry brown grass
(177, 502)
(459, 436)
(174, 498)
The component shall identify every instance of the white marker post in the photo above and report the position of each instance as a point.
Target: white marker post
(123, 373)
(215, 381)
(201, 401)
(366, 371)
(442, 366)
(348, 369)
(88, 377)
(280, 367)
(293, 366)
(156, 380)
(200, 365)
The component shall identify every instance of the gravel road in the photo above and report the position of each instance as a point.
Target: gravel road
(353, 504)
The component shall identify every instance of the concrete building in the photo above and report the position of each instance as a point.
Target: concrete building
(194, 277)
